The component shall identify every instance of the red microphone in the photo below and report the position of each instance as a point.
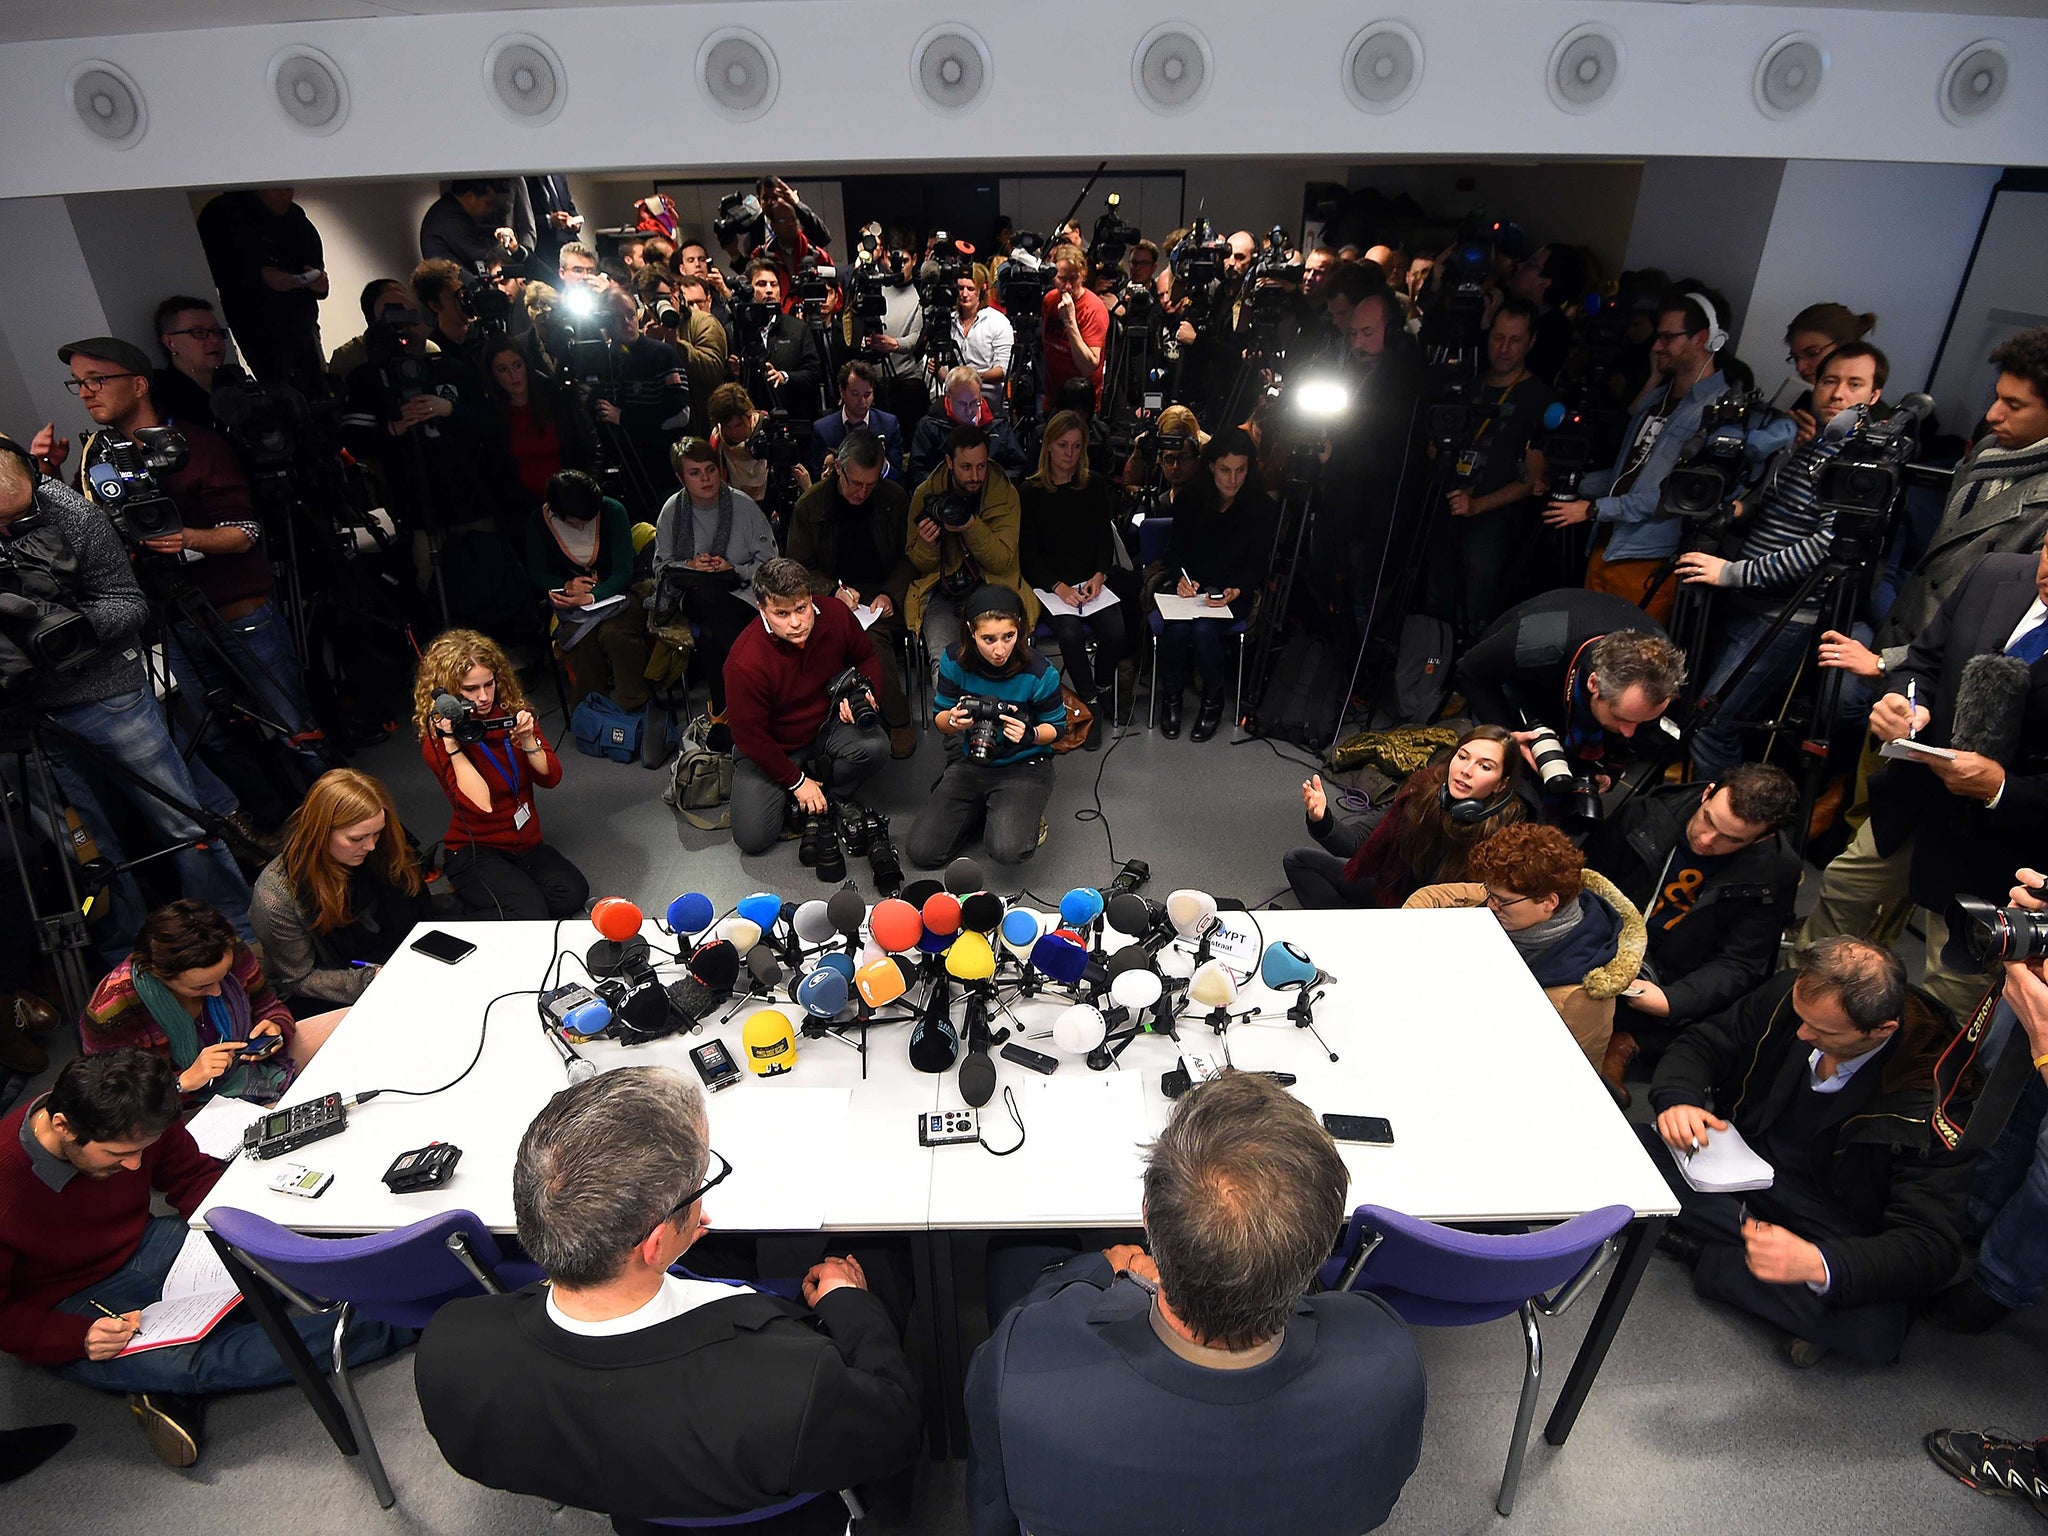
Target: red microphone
(621, 948)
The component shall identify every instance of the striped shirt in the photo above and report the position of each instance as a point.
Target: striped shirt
(1789, 533)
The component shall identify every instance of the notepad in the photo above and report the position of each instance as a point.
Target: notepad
(1911, 751)
(1174, 606)
(198, 1292)
(1052, 602)
(219, 1125)
(574, 623)
(1724, 1165)
(867, 613)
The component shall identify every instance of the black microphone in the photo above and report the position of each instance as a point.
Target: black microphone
(845, 910)
(1991, 703)
(977, 1078)
(934, 1043)
(963, 877)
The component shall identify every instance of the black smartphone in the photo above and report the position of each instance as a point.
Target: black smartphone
(714, 1064)
(444, 947)
(1369, 1129)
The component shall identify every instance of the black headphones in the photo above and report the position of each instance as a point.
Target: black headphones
(1467, 813)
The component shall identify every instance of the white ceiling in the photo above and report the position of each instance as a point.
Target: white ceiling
(30, 20)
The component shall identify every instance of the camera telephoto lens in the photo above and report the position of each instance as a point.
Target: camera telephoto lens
(1552, 764)
(1991, 935)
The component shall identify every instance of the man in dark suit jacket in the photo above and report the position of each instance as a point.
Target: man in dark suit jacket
(858, 381)
(1832, 1074)
(1955, 826)
(646, 1394)
(1198, 1389)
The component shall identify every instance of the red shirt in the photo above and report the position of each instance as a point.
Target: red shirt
(511, 781)
(55, 1243)
(1060, 362)
(536, 450)
(775, 691)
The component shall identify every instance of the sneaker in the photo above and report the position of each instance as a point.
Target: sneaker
(171, 1425)
(1991, 1462)
(1804, 1354)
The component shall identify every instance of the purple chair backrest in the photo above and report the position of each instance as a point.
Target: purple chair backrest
(398, 1277)
(1470, 1276)
(1155, 537)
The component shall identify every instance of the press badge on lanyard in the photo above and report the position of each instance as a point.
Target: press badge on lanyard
(522, 808)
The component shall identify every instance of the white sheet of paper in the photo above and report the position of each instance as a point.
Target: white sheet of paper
(1908, 750)
(197, 1293)
(1173, 606)
(866, 614)
(777, 1183)
(1725, 1165)
(1054, 603)
(219, 1125)
(1235, 942)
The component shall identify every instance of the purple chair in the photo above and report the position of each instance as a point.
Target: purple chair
(400, 1278)
(1441, 1277)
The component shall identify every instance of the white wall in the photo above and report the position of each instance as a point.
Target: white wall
(65, 306)
(140, 247)
(1707, 219)
(1889, 239)
(2006, 293)
(367, 230)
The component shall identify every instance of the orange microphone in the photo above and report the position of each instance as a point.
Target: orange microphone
(619, 948)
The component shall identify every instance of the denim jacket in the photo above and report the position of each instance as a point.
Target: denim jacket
(1639, 533)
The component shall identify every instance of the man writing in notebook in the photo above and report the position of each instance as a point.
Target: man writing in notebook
(81, 1256)
(1831, 1074)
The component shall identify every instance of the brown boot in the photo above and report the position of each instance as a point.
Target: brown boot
(1621, 1050)
(32, 1013)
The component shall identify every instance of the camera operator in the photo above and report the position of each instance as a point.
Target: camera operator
(1779, 544)
(1709, 869)
(50, 535)
(1814, 333)
(196, 343)
(1073, 334)
(786, 247)
(998, 703)
(1585, 666)
(469, 223)
(779, 356)
(1370, 449)
(1174, 447)
(266, 260)
(649, 404)
(437, 284)
(707, 545)
(674, 312)
(965, 523)
(984, 339)
(897, 350)
(1947, 826)
(219, 549)
(1632, 538)
(1214, 341)
(1547, 279)
(849, 527)
(1491, 504)
(576, 267)
(693, 259)
(964, 404)
(793, 746)
(857, 412)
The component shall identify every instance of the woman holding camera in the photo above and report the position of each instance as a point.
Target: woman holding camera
(192, 993)
(1067, 550)
(707, 545)
(480, 739)
(1222, 535)
(336, 903)
(1424, 836)
(1003, 698)
(579, 551)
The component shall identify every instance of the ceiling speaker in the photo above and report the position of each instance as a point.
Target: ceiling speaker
(525, 79)
(310, 89)
(108, 103)
(951, 69)
(1171, 68)
(1789, 74)
(1974, 81)
(737, 74)
(1383, 67)
(1585, 67)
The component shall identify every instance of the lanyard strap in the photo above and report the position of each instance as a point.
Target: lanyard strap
(507, 770)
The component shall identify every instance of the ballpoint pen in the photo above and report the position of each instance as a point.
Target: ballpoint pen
(1912, 708)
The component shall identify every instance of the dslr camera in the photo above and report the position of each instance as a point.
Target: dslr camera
(851, 689)
(984, 735)
(470, 724)
(122, 479)
(950, 510)
(1579, 792)
(1983, 934)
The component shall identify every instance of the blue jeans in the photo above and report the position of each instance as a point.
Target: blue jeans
(235, 1357)
(1717, 746)
(129, 728)
(2009, 1204)
(260, 646)
(1206, 636)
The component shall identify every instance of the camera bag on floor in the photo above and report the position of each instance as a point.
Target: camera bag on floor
(700, 783)
(602, 729)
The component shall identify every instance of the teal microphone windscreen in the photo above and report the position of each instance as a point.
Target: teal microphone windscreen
(1284, 965)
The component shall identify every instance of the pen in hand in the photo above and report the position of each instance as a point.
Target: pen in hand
(1912, 708)
(117, 1317)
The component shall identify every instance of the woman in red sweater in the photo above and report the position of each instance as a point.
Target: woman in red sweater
(481, 741)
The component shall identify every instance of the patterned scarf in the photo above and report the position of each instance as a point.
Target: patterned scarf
(228, 1015)
(1995, 470)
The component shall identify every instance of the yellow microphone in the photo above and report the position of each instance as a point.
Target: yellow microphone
(969, 958)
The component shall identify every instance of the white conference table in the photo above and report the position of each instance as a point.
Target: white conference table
(1496, 1113)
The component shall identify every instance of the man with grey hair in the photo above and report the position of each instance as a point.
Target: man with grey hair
(626, 1387)
(1832, 1073)
(1100, 1401)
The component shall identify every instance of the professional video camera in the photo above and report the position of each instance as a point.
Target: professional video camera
(121, 478)
(487, 305)
(1713, 468)
(1273, 267)
(738, 212)
(865, 300)
(851, 688)
(1988, 934)
(1864, 481)
(264, 421)
(1112, 237)
(469, 724)
(1197, 257)
(779, 443)
(41, 632)
(984, 733)
(1021, 284)
(948, 261)
(396, 345)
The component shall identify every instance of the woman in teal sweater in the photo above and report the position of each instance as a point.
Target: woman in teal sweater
(579, 550)
(999, 770)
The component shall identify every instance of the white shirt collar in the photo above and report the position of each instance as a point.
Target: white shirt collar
(1844, 1070)
(676, 1296)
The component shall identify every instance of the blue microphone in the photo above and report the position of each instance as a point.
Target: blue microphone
(1553, 415)
(1285, 966)
(837, 960)
(1061, 959)
(691, 913)
(761, 909)
(1080, 907)
(823, 992)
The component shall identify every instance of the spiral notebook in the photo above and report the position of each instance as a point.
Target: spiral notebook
(1725, 1165)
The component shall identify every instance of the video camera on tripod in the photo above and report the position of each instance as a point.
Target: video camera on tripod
(42, 632)
(267, 422)
(486, 305)
(778, 442)
(120, 475)
(738, 212)
(468, 724)
(1197, 257)
(1714, 466)
(1111, 238)
(1862, 484)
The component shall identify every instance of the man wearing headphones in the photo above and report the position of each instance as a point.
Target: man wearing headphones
(1632, 539)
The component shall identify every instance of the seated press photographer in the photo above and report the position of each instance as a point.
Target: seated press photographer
(848, 529)
(796, 740)
(965, 527)
(708, 544)
(1705, 865)
(487, 753)
(94, 687)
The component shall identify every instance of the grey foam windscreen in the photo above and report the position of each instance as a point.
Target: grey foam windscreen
(1585, 67)
(1171, 68)
(737, 74)
(1974, 81)
(1789, 74)
(526, 79)
(951, 68)
(109, 104)
(1383, 67)
(310, 88)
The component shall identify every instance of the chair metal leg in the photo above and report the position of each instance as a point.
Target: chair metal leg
(1152, 718)
(352, 1406)
(1525, 1411)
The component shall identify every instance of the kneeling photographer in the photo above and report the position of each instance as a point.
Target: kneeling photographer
(800, 689)
(708, 544)
(71, 619)
(999, 700)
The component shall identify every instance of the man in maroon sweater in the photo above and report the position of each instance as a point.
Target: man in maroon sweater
(80, 1255)
(789, 740)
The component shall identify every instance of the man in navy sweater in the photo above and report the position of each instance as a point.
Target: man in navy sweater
(1199, 1390)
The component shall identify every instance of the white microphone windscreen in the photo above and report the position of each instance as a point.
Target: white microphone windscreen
(1189, 911)
(1079, 1029)
(742, 932)
(1136, 989)
(1213, 986)
(814, 923)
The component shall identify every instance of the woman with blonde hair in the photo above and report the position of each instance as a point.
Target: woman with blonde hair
(1068, 553)
(482, 743)
(336, 903)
